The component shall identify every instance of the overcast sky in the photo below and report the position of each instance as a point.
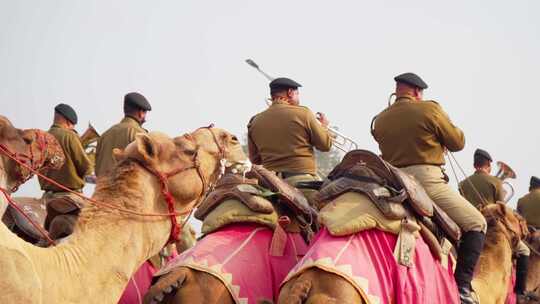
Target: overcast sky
(480, 59)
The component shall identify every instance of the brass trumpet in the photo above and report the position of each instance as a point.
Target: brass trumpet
(341, 141)
(506, 172)
(89, 142)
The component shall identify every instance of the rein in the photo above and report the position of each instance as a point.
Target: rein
(162, 178)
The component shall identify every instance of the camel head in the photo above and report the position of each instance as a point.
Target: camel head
(35, 148)
(501, 217)
(534, 239)
(192, 162)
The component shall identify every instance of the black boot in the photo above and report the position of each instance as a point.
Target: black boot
(521, 274)
(471, 246)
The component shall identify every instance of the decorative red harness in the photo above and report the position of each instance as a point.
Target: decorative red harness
(29, 159)
(176, 228)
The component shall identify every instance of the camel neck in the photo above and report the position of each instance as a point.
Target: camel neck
(105, 250)
(494, 265)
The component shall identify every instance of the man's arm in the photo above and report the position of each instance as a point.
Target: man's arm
(318, 134)
(82, 163)
(253, 151)
(448, 134)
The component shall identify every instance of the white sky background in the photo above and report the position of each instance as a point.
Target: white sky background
(480, 58)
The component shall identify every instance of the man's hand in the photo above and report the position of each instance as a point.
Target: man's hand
(322, 119)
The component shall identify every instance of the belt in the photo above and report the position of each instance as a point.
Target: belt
(289, 174)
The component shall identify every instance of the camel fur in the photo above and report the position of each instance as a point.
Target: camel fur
(494, 269)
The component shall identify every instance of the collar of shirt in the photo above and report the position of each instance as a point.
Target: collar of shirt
(480, 172)
(57, 126)
(405, 98)
(130, 120)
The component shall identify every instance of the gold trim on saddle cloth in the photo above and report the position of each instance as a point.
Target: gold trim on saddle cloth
(345, 271)
(217, 269)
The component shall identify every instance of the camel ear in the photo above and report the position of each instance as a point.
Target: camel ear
(118, 154)
(501, 210)
(146, 147)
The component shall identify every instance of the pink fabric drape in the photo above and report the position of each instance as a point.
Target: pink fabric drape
(366, 260)
(238, 255)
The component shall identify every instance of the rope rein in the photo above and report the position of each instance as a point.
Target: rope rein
(482, 198)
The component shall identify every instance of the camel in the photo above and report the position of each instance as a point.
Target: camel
(206, 274)
(36, 148)
(533, 275)
(108, 245)
(493, 272)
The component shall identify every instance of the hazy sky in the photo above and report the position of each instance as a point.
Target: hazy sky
(480, 59)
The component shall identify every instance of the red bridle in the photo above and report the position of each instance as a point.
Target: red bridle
(29, 158)
(176, 228)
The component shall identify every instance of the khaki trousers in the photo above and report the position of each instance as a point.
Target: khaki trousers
(457, 207)
(522, 249)
(308, 193)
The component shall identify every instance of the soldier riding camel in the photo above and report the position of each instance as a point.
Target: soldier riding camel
(529, 205)
(63, 207)
(120, 135)
(283, 137)
(413, 135)
(482, 189)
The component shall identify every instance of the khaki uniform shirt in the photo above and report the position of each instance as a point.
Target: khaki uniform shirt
(283, 136)
(489, 189)
(529, 207)
(76, 166)
(118, 136)
(416, 133)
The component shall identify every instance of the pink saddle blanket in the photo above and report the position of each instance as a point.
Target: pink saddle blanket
(239, 256)
(366, 261)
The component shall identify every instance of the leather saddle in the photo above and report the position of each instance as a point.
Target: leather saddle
(261, 190)
(16, 222)
(394, 192)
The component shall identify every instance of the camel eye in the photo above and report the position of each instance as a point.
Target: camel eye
(190, 152)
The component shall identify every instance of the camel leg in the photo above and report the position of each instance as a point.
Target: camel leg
(185, 285)
(315, 286)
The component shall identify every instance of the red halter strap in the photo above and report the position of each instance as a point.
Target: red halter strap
(176, 228)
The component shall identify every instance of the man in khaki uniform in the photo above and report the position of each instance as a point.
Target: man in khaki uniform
(120, 135)
(413, 135)
(529, 205)
(283, 137)
(70, 175)
(481, 189)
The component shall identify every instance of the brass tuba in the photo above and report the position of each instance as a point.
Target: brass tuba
(89, 142)
(506, 172)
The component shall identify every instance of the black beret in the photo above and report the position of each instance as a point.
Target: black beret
(66, 111)
(283, 83)
(482, 153)
(137, 100)
(411, 79)
(535, 182)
